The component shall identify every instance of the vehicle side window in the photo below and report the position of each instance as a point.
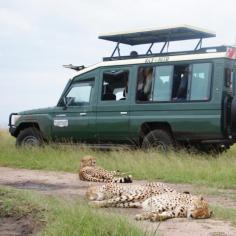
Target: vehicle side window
(79, 94)
(234, 83)
(115, 85)
(162, 88)
(162, 83)
(229, 80)
(154, 83)
(200, 83)
(145, 83)
(177, 83)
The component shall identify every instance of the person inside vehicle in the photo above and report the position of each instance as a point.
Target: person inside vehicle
(108, 95)
(140, 94)
(148, 82)
(125, 91)
(183, 85)
(144, 83)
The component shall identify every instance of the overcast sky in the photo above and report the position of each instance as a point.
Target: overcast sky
(38, 36)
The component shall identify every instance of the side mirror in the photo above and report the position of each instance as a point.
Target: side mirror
(67, 101)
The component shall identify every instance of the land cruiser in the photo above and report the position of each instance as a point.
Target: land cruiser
(151, 100)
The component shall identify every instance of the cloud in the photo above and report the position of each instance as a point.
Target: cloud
(11, 20)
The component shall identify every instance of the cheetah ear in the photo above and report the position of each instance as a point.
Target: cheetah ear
(201, 198)
(186, 192)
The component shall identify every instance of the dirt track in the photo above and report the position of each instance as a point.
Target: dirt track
(68, 185)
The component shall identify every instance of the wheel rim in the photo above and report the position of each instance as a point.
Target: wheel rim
(31, 141)
(158, 145)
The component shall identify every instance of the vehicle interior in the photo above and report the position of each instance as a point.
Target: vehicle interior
(115, 85)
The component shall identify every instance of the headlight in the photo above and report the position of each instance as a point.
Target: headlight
(14, 119)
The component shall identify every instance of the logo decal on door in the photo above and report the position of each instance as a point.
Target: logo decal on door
(60, 123)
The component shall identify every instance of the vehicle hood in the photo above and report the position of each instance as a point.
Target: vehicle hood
(38, 111)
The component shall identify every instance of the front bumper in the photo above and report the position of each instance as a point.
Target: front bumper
(12, 128)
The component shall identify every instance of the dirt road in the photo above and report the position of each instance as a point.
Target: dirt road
(68, 185)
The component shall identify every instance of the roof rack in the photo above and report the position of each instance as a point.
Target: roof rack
(158, 35)
(178, 53)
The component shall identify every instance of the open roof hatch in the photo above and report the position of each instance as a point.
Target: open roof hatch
(157, 35)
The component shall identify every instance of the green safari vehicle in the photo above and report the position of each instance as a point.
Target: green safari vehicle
(151, 100)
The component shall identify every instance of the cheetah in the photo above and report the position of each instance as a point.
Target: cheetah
(174, 205)
(89, 171)
(127, 196)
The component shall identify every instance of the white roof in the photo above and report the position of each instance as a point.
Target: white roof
(160, 59)
(154, 35)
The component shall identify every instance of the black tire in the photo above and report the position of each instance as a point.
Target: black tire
(29, 137)
(158, 139)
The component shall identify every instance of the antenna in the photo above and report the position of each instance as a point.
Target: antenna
(77, 68)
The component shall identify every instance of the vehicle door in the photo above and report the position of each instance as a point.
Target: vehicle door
(76, 120)
(114, 104)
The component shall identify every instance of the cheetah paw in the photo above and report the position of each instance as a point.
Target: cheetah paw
(138, 217)
(157, 217)
(96, 204)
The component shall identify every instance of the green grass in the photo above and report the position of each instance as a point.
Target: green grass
(63, 217)
(225, 214)
(176, 167)
(13, 204)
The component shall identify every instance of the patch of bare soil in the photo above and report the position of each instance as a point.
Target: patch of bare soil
(68, 185)
(23, 226)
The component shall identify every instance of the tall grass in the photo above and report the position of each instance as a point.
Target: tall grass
(174, 167)
(63, 217)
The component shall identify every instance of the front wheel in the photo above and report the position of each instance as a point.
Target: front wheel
(29, 137)
(158, 139)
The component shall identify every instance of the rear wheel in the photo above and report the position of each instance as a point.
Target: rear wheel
(29, 137)
(158, 139)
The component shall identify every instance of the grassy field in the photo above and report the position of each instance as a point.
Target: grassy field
(176, 167)
(225, 214)
(72, 217)
(63, 218)
(75, 217)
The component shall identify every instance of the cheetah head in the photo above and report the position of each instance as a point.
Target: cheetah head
(88, 161)
(199, 209)
(95, 193)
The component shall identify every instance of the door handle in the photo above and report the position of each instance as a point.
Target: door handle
(123, 113)
(83, 114)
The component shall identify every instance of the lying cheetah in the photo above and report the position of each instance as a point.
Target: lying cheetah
(90, 172)
(174, 205)
(118, 195)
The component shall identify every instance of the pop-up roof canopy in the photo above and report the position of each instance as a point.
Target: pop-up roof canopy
(158, 35)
